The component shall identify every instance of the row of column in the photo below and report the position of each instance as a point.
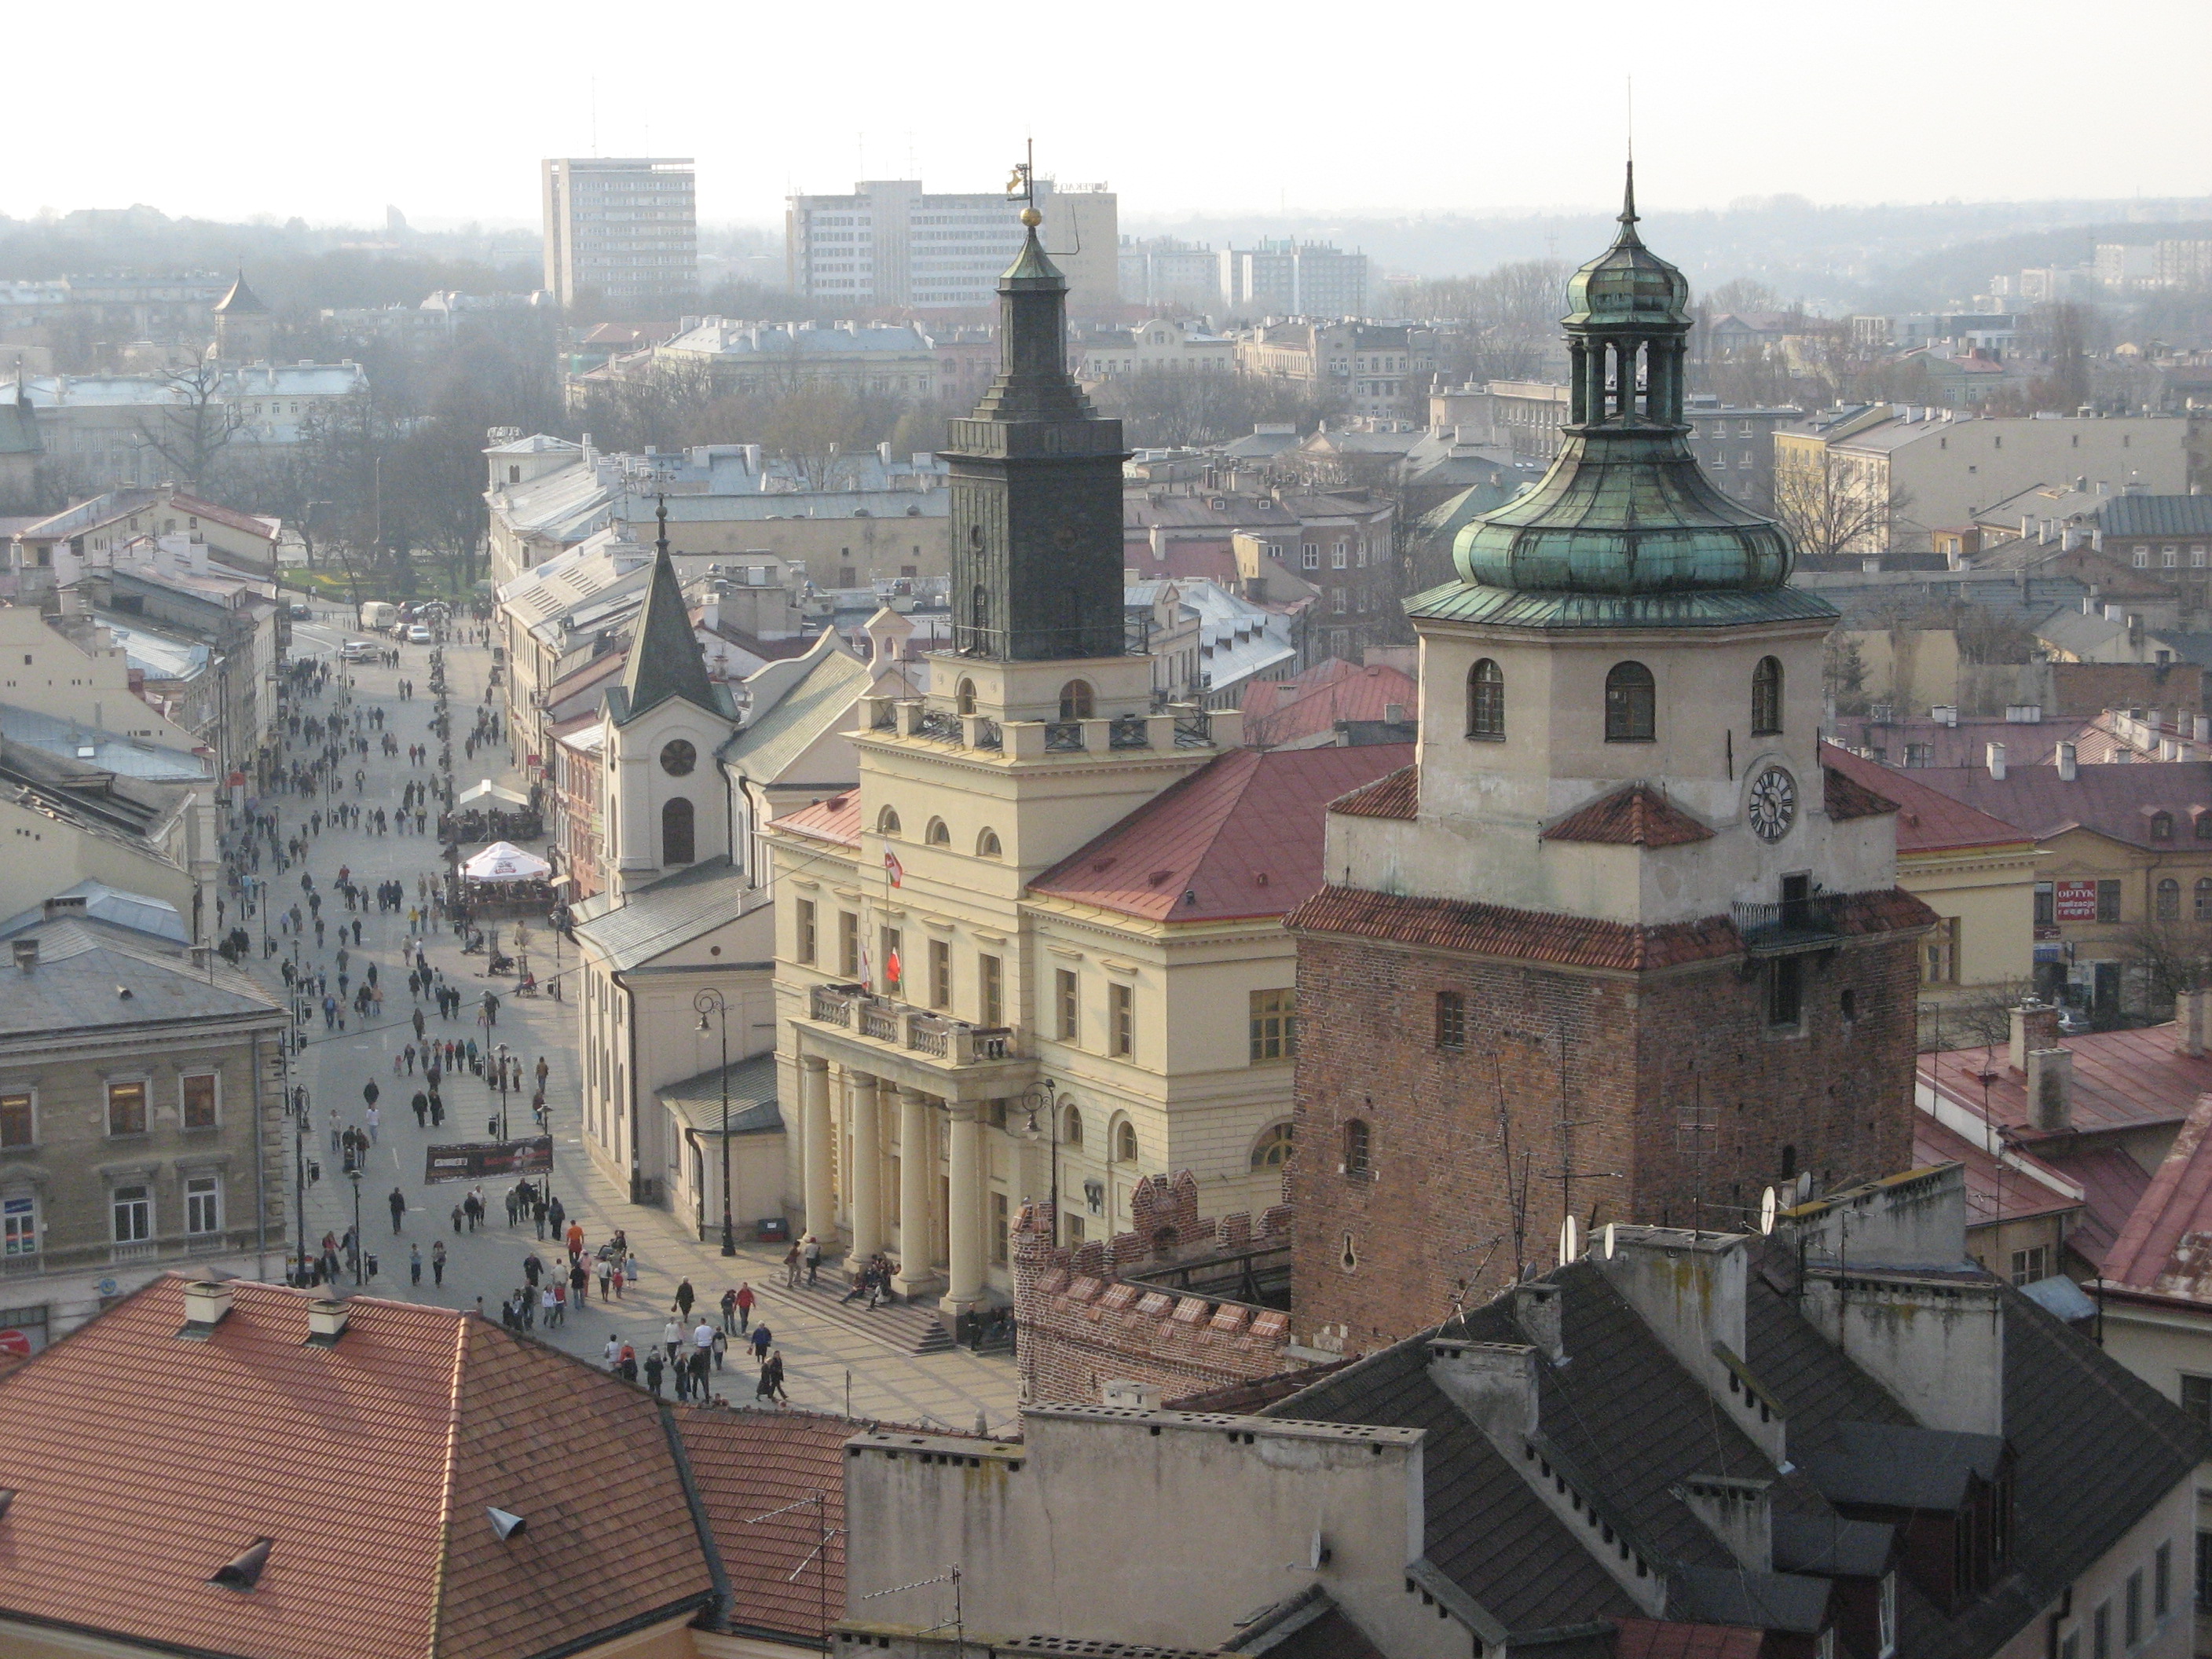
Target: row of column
(964, 1225)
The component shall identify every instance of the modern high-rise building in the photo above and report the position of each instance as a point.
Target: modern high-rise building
(889, 243)
(1300, 279)
(621, 233)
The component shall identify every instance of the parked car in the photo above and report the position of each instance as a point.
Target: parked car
(298, 612)
(418, 634)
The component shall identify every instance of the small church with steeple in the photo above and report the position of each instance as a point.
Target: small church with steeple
(1617, 947)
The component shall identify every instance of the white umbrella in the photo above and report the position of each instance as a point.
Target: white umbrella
(504, 861)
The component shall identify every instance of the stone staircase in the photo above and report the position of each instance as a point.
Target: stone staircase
(907, 1328)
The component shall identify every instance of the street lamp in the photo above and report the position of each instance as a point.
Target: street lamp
(359, 1244)
(710, 1001)
(500, 1055)
(1042, 1097)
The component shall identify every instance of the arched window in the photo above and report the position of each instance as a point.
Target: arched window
(1486, 702)
(2162, 826)
(2169, 900)
(2204, 898)
(987, 845)
(1075, 700)
(1358, 1146)
(2203, 823)
(1631, 704)
(1125, 1142)
(966, 696)
(936, 835)
(1272, 1150)
(887, 822)
(1072, 1133)
(1767, 698)
(675, 838)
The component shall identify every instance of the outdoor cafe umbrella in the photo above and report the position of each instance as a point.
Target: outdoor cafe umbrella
(504, 861)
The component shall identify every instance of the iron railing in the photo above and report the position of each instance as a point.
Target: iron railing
(1193, 729)
(940, 724)
(1063, 735)
(1794, 924)
(988, 736)
(1129, 732)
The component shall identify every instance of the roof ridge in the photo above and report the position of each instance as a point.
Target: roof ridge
(446, 1486)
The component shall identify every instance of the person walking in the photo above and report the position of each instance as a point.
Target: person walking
(421, 1105)
(811, 1254)
(372, 1120)
(579, 1282)
(613, 1351)
(762, 1340)
(729, 1306)
(791, 1265)
(671, 1337)
(653, 1367)
(685, 1296)
(399, 1203)
(775, 1372)
(437, 1259)
(721, 1348)
(606, 1271)
(702, 1346)
(415, 1263)
(745, 1299)
(457, 1219)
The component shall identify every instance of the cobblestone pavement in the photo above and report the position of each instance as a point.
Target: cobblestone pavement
(827, 1363)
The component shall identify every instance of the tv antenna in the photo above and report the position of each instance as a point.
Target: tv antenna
(1694, 1133)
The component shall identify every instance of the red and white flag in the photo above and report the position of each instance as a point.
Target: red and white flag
(897, 870)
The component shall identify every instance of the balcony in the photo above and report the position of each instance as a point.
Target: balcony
(1789, 927)
(1181, 725)
(915, 1046)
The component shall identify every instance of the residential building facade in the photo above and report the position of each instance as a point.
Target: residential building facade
(1377, 367)
(622, 233)
(1294, 278)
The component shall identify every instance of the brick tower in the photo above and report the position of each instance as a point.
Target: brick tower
(1617, 947)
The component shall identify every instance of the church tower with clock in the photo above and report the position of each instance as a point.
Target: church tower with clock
(1618, 947)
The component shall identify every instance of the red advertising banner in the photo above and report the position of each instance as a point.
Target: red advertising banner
(2076, 900)
(484, 1160)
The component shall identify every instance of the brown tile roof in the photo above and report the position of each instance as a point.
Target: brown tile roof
(1637, 816)
(1282, 711)
(1927, 820)
(2122, 1080)
(836, 820)
(1844, 798)
(1240, 837)
(141, 1461)
(1571, 941)
(1397, 796)
(748, 1464)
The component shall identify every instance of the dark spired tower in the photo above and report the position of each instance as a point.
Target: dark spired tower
(1037, 491)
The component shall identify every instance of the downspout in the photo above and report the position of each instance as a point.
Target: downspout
(629, 995)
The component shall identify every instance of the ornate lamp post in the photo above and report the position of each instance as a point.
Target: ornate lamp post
(1043, 1097)
(710, 1001)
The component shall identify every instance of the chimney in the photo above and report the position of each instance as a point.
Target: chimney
(1996, 753)
(2200, 727)
(2189, 1013)
(1689, 1289)
(1494, 1382)
(1536, 1311)
(2034, 1025)
(2051, 1089)
(1739, 1512)
(206, 1302)
(2067, 767)
(26, 952)
(326, 1321)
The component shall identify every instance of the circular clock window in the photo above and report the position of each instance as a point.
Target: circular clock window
(1773, 803)
(677, 757)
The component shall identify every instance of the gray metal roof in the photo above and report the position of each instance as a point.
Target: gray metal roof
(1505, 607)
(85, 981)
(2157, 515)
(767, 747)
(753, 1109)
(96, 901)
(110, 751)
(632, 930)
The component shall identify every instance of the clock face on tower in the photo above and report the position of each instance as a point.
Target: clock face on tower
(1773, 803)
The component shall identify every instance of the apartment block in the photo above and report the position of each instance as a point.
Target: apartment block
(621, 233)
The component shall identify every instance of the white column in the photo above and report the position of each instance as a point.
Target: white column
(814, 1115)
(964, 1229)
(868, 1167)
(917, 1173)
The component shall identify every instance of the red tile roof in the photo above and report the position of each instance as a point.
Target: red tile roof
(143, 1460)
(2115, 800)
(1638, 816)
(836, 820)
(2122, 1080)
(1654, 1638)
(1240, 837)
(2166, 1244)
(1577, 941)
(1397, 796)
(1927, 820)
(749, 1464)
(1994, 1191)
(1278, 712)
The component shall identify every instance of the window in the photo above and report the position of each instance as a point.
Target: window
(1275, 1016)
(2204, 1572)
(1340, 557)
(987, 845)
(2162, 826)
(1122, 1019)
(803, 942)
(677, 757)
(1938, 953)
(1272, 1150)
(199, 1093)
(203, 1204)
(893, 960)
(1451, 1020)
(1767, 698)
(2203, 898)
(2133, 1621)
(887, 822)
(2169, 899)
(18, 1226)
(940, 973)
(848, 944)
(2161, 1581)
(126, 1109)
(1071, 1133)
(1785, 991)
(2100, 1632)
(133, 1212)
(2031, 1264)
(991, 990)
(1066, 1004)
(18, 1122)
(1886, 1616)
(1075, 700)
(936, 835)
(2142, 558)
(964, 698)
(1311, 556)
(1486, 702)
(676, 844)
(2046, 905)
(999, 1230)
(1631, 704)
(2108, 901)
(2203, 825)
(1358, 1145)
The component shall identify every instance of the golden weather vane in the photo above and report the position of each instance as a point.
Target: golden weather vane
(1022, 183)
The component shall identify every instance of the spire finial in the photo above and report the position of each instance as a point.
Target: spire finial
(1628, 215)
(660, 544)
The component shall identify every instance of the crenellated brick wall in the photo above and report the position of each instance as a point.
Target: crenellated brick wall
(1083, 1324)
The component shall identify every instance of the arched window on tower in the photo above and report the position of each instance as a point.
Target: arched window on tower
(676, 832)
(1075, 700)
(1631, 700)
(1486, 702)
(1767, 698)
(887, 822)
(965, 696)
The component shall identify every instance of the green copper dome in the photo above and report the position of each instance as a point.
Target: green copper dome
(1625, 510)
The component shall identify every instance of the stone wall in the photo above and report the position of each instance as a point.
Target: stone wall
(1082, 1325)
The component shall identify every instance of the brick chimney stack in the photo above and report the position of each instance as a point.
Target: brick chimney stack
(2034, 1025)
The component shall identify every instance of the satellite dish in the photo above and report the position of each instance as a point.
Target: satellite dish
(1608, 1241)
(1567, 1251)
(1767, 1205)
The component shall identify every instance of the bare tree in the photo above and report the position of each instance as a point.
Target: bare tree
(195, 424)
(2172, 954)
(1830, 504)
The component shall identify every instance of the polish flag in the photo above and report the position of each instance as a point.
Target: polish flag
(897, 870)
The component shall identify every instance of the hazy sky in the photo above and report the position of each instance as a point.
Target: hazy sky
(331, 112)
